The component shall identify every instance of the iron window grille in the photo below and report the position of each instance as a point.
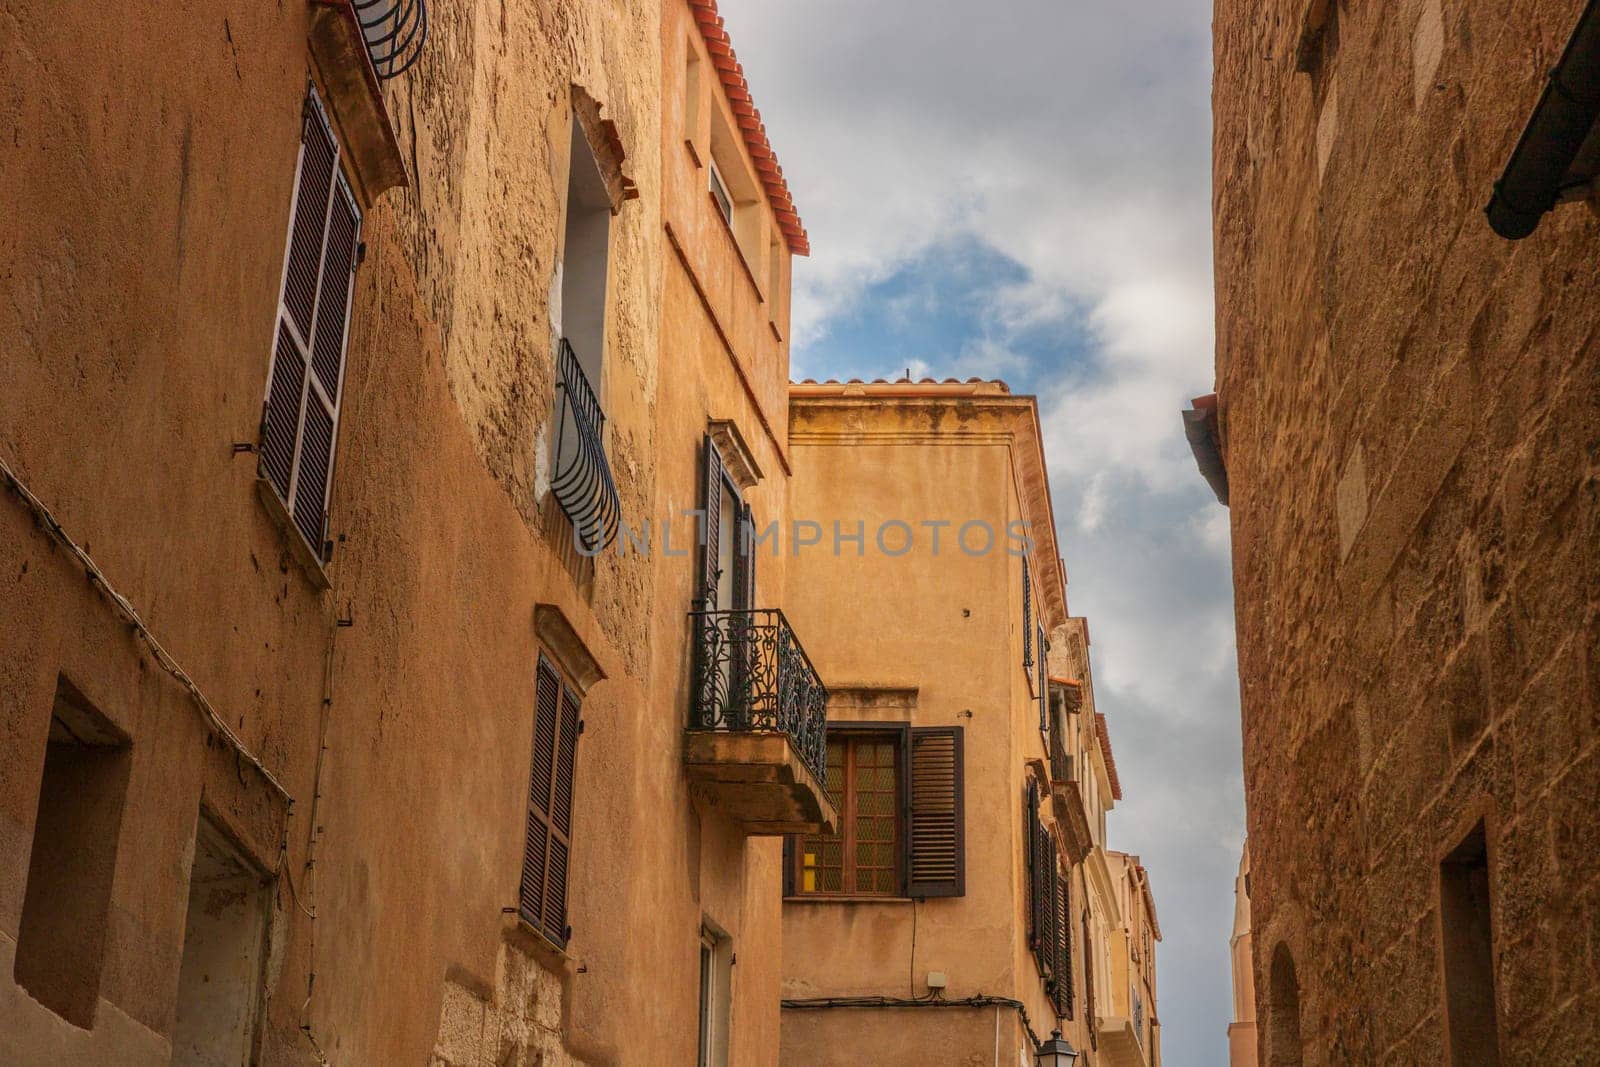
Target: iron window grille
(753, 675)
(582, 483)
(394, 32)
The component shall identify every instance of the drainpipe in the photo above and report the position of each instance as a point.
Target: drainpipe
(1540, 169)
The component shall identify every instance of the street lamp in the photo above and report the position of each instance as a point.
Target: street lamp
(1056, 1052)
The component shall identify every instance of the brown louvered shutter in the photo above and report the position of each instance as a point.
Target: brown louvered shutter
(300, 420)
(1027, 615)
(1061, 991)
(546, 857)
(711, 500)
(788, 866)
(1044, 686)
(1088, 983)
(936, 862)
(744, 563)
(1038, 886)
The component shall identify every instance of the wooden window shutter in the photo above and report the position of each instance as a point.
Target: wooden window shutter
(711, 500)
(547, 851)
(936, 839)
(1061, 990)
(744, 563)
(300, 419)
(788, 866)
(1088, 983)
(1027, 615)
(1044, 686)
(1038, 887)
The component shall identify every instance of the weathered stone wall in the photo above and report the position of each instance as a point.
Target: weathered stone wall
(1410, 423)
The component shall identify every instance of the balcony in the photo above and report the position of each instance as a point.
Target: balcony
(582, 482)
(394, 32)
(1120, 1044)
(357, 45)
(756, 746)
(1066, 799)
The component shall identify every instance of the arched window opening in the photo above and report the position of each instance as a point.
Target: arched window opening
(1283, 1020)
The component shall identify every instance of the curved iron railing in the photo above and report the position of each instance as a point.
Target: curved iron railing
(395, 31)
(582, 482)
(751, 674)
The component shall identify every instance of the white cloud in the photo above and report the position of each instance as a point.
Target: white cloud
(1074, 140)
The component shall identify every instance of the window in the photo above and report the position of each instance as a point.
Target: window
(691, 93)
(300, 419)
(899, 792)
(1049, 909)
(775, 291)
(1283, 1003)
(863, 859)
(716, 995)
(581, 480)
(727, 554)
(719, 193)
(1043, 683)
(585, 257)
(219, 981)
(62, 930)
(547, 850)
(1467, 950)
(1027, 616)
(735, 193)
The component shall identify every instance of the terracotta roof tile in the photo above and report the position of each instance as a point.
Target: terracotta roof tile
(1105, 751)
(735, 85)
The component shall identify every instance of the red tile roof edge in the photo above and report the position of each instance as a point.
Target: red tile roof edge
(749, 120)
(1105, 751)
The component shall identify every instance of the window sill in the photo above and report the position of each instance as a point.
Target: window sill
(536, 944)
(312, 567)
(351, 89)
(843, 898)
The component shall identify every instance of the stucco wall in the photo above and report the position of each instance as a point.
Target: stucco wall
(148, 157)
(1409, 423)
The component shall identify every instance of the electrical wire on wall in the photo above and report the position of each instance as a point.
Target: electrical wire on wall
(47, 521)
(163, 659)
(979, 1000)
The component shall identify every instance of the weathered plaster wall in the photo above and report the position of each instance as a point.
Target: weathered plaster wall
(142, 270)
(1410, 424)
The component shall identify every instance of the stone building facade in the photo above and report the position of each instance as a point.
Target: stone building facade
(368, 724)
(1242, 1040)
(1408, 417)
(968, 905)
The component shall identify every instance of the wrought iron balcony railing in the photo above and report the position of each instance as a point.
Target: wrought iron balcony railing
(752, 675)
(394, 32)
(582, 482)
(1061, 769)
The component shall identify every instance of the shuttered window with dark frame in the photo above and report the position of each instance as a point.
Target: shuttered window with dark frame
(547, 849)
(1043, 684)
(1027, 615)
(1049, 922)
(724, 542)
(929, 800)
(1061, 984)
(936, 861)
(300, 418)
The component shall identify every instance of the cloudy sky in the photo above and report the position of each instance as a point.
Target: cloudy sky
(1021, 189)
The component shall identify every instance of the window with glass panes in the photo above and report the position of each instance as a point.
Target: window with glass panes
(864, 858)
